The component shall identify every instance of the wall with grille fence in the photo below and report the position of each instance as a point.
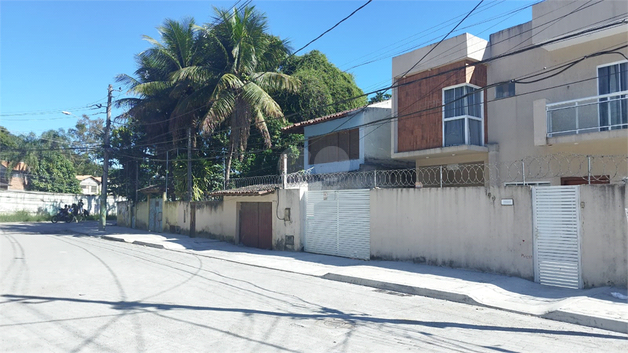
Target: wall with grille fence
(543, 170)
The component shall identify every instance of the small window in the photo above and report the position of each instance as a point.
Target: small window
(505, 90)
(94, 189)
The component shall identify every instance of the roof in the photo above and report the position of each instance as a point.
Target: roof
(152, 189)
(20, 167)
(83, 177)
(298, 127)
(257, 190)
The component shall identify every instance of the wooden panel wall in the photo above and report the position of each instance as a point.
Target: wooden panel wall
(419, 104)
(334, 147)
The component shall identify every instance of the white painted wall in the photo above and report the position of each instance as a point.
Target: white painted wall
(44, 202)
(458, 227)
(604, 235)
(450, 50)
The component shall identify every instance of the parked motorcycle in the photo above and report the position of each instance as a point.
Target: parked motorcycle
(64, 215)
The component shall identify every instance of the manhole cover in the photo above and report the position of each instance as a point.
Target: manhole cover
(337, 323)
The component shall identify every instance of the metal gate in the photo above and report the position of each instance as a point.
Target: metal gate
(338, 223)
(155, 207)
(556, 217)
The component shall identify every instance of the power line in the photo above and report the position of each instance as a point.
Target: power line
(332, 27)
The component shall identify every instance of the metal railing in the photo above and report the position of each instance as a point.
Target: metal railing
(526, 171)
(591, 114)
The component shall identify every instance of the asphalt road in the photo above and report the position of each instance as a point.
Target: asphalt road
(67, 293)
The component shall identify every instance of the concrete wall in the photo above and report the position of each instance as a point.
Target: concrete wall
(469, 228)
(141, 215)
(220, 219)
(124, 214)
(604, 235)
(457, 227)
(453, 49)
(49, 203)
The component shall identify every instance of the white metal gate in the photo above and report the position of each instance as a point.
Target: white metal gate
(556, 214)
(338, 223)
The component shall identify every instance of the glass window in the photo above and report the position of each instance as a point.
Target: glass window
(463, 116)
(614, 109)
(505, 90)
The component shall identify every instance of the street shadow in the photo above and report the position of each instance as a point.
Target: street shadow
(510, 284)
(322, 314)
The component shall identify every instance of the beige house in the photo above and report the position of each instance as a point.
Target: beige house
(90, 185)
(544, 102)
(16, 180)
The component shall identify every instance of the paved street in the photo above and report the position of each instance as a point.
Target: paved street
(69, 293)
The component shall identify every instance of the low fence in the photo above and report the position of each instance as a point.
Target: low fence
(35, 202)
(529, 170)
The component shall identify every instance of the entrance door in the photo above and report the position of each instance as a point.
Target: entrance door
(556, 217)
(256, 224)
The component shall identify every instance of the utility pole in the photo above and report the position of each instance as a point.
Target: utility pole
(167, 171)
(190, 164)
(105, 166)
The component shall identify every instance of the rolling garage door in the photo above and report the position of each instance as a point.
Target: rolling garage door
(338, 223)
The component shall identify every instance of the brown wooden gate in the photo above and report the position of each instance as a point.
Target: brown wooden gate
(256, 224)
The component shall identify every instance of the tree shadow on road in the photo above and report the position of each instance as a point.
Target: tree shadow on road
(321, 315)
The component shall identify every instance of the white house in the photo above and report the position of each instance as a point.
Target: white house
(90, 185)
(356, 139)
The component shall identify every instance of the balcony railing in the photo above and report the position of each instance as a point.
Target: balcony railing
(591, 114)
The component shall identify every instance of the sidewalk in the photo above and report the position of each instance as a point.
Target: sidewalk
(591, 307)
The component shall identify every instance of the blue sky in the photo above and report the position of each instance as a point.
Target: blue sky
(60, 55)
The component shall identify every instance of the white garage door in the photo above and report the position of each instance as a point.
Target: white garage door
(338, 223)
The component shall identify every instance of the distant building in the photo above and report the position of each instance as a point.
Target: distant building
(90, 185)
(16, 180)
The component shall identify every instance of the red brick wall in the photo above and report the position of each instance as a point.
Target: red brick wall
(419, 104)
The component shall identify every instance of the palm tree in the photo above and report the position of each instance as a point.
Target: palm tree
(169, 76)
(241, 97)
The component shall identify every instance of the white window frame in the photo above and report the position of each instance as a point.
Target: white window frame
(597, 89)
(465, 117)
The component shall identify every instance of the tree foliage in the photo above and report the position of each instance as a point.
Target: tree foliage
(325, 89)
(230, 83)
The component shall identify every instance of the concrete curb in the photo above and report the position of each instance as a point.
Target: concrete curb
(556, 315)
(402, 288)
(152, 245)
(584, 320)
(106, 237)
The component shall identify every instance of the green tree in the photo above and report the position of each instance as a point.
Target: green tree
(53, 173)
(242, 97)
(325, 89)
(87, 136)
(380, 97)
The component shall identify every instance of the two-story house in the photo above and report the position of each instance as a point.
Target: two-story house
(356, 139)
(468, 110)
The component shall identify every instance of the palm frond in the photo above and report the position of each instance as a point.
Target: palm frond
(277, 82)
(256, 98)
(221, 108)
